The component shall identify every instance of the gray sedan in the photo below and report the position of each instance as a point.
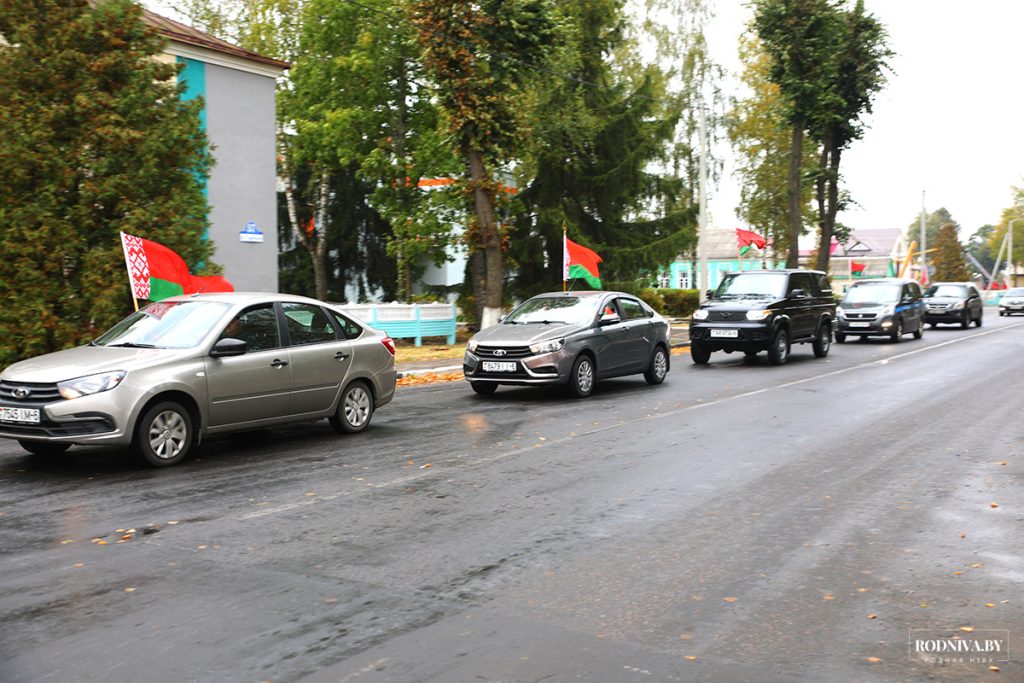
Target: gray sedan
(572, 339)
(197, 365)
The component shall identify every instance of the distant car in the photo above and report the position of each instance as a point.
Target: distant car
(765, 310)
(887, 307)
(1012, 301)
(953, 302)
(571, 339)
(198, 365)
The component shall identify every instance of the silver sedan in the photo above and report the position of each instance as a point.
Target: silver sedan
(191, 366)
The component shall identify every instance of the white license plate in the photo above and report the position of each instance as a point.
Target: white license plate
(860, 324)
(728, 334)
(19, 415)
(498, 366)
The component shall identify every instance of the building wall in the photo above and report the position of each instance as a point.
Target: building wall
(238, 116)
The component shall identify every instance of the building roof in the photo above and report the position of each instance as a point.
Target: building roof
(182, 33)
(873, 242)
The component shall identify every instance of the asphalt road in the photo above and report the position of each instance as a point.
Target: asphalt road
(741, 522)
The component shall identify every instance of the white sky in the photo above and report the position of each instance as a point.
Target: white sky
(946, 123)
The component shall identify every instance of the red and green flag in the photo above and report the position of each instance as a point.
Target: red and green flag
(580, 262)
(857, 269)
(156, 272)
(746, 239)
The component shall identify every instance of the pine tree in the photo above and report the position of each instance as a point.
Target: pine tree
(96, 140)
(950, 264)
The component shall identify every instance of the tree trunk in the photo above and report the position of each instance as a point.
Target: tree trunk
(320, 250)
(316, 242)
(794, 194)
(490, 239)
(478, 284)
(824, 181)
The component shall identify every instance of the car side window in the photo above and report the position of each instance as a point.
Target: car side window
(256, 326)
(349, 328)
(307, 324)
(972, 292)
(800, 281)
(631, 309)
(610, 308)
(824, 286)
(915, 291)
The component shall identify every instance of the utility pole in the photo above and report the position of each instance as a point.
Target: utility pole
(702, 203)
(924, 246)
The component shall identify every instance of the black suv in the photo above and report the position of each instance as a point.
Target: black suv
(765, 310)
(953, 302)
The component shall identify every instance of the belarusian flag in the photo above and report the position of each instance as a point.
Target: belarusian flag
(580, 262)
(156, 272)
(745, 239)
(857, 269)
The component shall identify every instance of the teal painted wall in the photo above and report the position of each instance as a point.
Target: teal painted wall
(193, 76)
(682, 277)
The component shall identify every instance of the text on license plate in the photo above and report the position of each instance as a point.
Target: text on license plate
(498, 366)
(19, 414)
(729, 334)
(860, 324)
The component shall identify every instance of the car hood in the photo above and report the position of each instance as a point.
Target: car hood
(862, 305)
(522, 335)
(942, 300)
(739, 304)
(87, 360)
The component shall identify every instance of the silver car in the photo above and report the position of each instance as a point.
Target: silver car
(572, 339)
(1012, 301)
(191, 366)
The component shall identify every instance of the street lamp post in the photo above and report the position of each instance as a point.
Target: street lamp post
(1009, 253)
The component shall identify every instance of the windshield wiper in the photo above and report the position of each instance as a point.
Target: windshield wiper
(548, 322)
(132, 345)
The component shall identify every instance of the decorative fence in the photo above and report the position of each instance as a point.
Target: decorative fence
(407, 321)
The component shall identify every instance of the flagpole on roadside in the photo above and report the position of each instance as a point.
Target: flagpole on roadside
(565, 256)
(128, 266)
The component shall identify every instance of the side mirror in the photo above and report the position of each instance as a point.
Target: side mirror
(228, 347)
(610, 319)
(501, 318)
(798, 293)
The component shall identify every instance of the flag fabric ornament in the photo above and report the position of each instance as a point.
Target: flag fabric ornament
(156, 272)
(580, 262)
(746, 238)
(857, 269)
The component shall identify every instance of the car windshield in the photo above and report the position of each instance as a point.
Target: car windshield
(956, 291)
(1016, 291)
(554, 309)
(165, 325)
(873, 294)
(752, 285)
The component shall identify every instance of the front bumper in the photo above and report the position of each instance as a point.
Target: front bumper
(1011, 308)
(947, 316)
(866, 328)
(547, 368)
(84, 420)
(749, 335)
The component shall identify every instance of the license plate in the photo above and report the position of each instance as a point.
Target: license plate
(498, 366)
(19, 414)
(728, 334)
(860, 324)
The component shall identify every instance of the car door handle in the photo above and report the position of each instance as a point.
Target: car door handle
(278, 363)
(340, 355)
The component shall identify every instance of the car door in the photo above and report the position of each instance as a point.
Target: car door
(974, 302)
(800, 305)
(253, 387)
(640, 342)
(912, 306)
(614, 353)
(320, 358)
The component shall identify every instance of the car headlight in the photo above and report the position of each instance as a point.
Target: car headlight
(471, 346)
(760, 314)
(700, 314)
(957, 306)
(92, 384)
(548, 346)
(841, 312)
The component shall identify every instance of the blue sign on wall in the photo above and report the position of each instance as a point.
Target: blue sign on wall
(251, 233)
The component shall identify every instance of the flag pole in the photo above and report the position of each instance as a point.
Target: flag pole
(128, 267)
(565, 255)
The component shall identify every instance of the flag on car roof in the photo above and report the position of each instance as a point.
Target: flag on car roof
(580, 262)
(156, 272)
(747, 238)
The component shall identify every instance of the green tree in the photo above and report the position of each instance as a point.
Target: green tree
(96, 140)
(1014, 213)
(978, 247)
(801, 37)
(948, 259)
(933, 222)
(482, 59)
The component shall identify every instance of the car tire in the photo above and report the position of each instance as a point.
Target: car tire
(966, 322)
(658, 367)
(919, 332)
(699, 354)
(823, 340)
(163, 435)
(44, 449)
(977, 323)
(484, 388)
(355, 409)
(840, 338)
(897, 334)
(581, 381)
(778, 350)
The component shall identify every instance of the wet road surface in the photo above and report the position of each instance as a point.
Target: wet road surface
(740, 522)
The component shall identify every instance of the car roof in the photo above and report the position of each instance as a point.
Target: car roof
(883, 281)
(962, 284)
(236, 298)
(585, 293)
(778, 270)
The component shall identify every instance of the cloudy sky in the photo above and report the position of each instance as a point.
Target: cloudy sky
(948, 123)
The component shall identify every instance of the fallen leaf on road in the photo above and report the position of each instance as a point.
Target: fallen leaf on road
(874, 660)
(963, 535)
(967, 629)
(862, 590)
(993, 505)
(687, 636)
(993, 668)
(311, 493)
(956, 573)
(330, 601)
(730, 599)
(66, 542)
(173, 522)
(976, 565)
(990, 604)
(1003, 462)
(78, 564)
(827, 597)
(429, 378)
(872, 616)
(698, 598)
(690, 658)
(425, 466)
(129, 589)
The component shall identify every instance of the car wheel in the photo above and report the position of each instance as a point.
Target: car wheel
(699, 354)
(43, 448)
(977, 323)
(163, 435)
(656, 371)
(778, 351)
(823, 341)
(919, 332)
(966, 322)
(897, 334)
(840, 338)
(484, 388)
(355, 409)
(581, 382)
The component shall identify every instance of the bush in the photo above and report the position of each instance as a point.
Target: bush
(652, 297)
(679, 303)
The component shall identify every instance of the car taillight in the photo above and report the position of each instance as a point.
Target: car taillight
(389, 343)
